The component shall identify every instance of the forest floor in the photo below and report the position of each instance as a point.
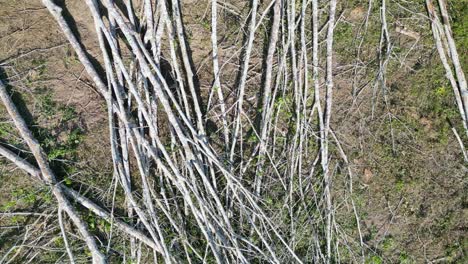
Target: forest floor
(409, 175)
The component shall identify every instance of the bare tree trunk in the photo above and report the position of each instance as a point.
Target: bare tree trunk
(48, 176)
(327, 117)
(458, 83)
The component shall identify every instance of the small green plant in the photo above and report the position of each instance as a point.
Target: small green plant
(22, 197)
(253, 138)
(442, 91)
(8, 205)
(404, 258)
(451, 252)
(206, 24)
(75, 137)
(388, 244)
(16, 219)
(400, 185)
(374, 260)
(103, 224)
(68, 148)
(67, 181)
(47, 105)
(57, 153)
(92, 222)
(5, 129)
(46, 195)
(68, 113)
(445, 222)
(58, 241)
(27, 196)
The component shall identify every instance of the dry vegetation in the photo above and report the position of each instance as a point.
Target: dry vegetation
(218, 131)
